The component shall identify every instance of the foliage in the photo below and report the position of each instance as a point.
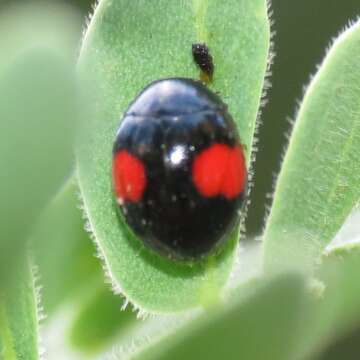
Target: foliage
(299, 291)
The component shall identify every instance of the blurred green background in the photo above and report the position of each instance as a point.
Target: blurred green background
(304, 30)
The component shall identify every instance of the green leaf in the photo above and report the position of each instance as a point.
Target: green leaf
(38, 118)
(100, 321)
(336, 311)
(19, 317)
(244, 329)
(339, 273)
(63, 250)
(349, 232)
(319, 182)
(72, 277)
(127, 46)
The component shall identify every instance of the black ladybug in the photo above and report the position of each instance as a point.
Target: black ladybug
(179, 172)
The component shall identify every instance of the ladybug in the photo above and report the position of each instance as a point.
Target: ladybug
(179, 172)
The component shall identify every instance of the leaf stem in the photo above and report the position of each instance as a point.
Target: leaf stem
(200, 9)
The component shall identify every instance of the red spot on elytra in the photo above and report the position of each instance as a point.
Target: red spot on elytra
(220, 170)
(129, 177)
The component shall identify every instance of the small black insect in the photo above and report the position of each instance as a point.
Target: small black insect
(202, 57)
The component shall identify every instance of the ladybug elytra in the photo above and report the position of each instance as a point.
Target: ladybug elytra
(179, 172)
